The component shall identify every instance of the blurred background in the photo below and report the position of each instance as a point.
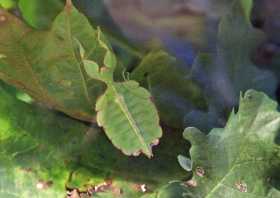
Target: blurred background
(176, 24)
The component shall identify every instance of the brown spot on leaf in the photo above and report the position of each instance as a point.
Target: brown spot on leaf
(2, 18)
(137, 153)
(42, 185)
(199, 171)
(117, 191)
(27, 170)
(241, 186)
(155, 142)
(103, 69)
(102, 187)
(190, 183)
(140, 187)
(74, 194)
(152, 99)
(143, 188)
(106, 185)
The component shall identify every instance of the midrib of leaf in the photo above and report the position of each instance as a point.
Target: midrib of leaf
(120, 101)
(74, 55)
(236, 158)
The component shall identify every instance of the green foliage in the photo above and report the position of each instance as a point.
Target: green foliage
(39, 14)
(237, 41)
(37, 147)
(242, 159)
(159, 72)
(57, 59)
(7, 4)
(230, 69)
(65, 86)
(125, 110)
(47, 65)
(41, 147)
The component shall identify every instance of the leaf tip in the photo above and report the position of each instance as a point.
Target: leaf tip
(148, 152)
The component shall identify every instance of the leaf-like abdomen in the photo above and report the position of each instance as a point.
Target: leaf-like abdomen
(129, 118)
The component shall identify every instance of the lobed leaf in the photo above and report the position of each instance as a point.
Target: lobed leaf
(230, 69)
(237, 41)
(242, 159)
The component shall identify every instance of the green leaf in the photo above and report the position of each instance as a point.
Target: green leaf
(237, 41)
(92, 69)
(174, 92)
(125, 110)
(105, 71)
(37, 149)
(129, 118)
(241, 159)
(110, 59)
(57, 67)
(42, 148)
(8, 4)
(230, 69)
(40, 14)
(247, 6)
(47, 64)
